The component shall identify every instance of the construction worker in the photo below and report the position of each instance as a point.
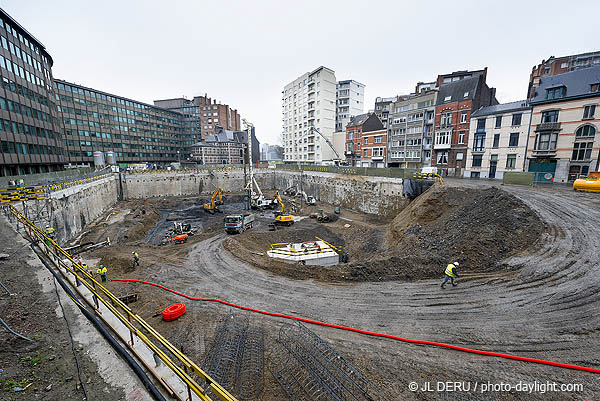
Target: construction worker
(450, 274)
(102, 272)
(49, 231)
(136, 258)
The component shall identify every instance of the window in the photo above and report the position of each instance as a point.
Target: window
(463, 117)
(442, 138)
(366, 152)
(588, 112)
(442, 158)
(582, 151)
(466, 94)
(461, 136)
(366, 140)
(584, 131)
(511, 161)
(477, 160)
(447, 98)
(516, 119)
(498, 121)
(546, 141)
(564, 65)
(479, 143)
(481, 124)
(593, 87)
(514, 139)
(446, 119)
(550, 116)
(555, 93)
(378, 139)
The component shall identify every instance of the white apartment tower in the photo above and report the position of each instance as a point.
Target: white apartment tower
(350, 102)
(312, 100)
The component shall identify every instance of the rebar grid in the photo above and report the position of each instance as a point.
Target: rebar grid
(322, 365)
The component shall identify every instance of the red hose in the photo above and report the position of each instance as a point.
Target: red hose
(375, 334)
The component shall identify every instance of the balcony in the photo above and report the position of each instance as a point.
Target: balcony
(439, 146)
(544, 153)
(479, 150)
(427, 146)
(547, 127)
(376, 158)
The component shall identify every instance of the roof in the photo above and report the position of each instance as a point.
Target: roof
(457, 89)
(578, 84)
(502, 108)
(26, 33)
(358, 120)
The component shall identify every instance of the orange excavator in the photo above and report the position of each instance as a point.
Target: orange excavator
(212, 206)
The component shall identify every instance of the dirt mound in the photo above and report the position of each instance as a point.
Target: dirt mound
(476, 227)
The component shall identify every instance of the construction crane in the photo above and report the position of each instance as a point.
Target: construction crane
(212, 206)
(339, 158)
(257, 199)
(280, 216)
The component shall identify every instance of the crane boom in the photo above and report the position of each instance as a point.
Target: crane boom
(328, 142)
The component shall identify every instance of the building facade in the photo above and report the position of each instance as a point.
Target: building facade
(498, 140)
(456, 100)
(410, 129)
(350, 102)
(225, 147)
(29, 125)
(564, 142)
(374, 148)
(98, 121)
(202, 115)
(309, 102)
(360, 125)
(383, 105)
(560, 65)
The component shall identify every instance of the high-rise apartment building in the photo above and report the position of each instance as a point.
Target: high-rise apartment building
(309, 102)
(383, 106)
(317, 100)
(29, 127)
(350, 102)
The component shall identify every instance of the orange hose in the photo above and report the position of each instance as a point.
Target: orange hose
(375, 334)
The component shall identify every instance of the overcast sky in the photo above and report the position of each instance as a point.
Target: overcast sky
(244, 52)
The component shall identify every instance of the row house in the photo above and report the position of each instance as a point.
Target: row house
(563, 144)
(360, 133)
(498, 140)
(410, 130)
(383, 105)
(456, 100)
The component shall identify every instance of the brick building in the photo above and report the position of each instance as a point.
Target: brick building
(456, 100)
(360, 125)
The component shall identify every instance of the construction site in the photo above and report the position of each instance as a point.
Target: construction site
(269, 285)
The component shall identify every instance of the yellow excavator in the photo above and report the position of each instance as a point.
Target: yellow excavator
(280, 216)
(212, 206)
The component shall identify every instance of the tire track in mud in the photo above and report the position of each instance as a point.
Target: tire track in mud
(549, 307)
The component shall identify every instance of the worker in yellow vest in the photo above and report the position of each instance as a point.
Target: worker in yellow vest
(450, 274)
(136, 258)
(102, 272)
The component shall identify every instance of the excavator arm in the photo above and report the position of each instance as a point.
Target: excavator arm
(277, 198)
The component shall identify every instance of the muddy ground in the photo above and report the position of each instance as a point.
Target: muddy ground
(529, 287)
(45, 368)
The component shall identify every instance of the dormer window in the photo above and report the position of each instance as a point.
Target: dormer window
(595, 87)
(447, 98)
(555, 93)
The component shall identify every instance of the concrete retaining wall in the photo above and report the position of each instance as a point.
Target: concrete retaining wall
(70, 209)
(375, 195)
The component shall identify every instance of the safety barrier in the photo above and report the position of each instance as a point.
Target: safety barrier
(134, 323)
(429, 176)
(184, 171)
(295, 252)
(19, 194)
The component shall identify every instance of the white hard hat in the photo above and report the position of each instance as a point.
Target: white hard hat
(47, 226)
(132, 252)
(455, 264)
